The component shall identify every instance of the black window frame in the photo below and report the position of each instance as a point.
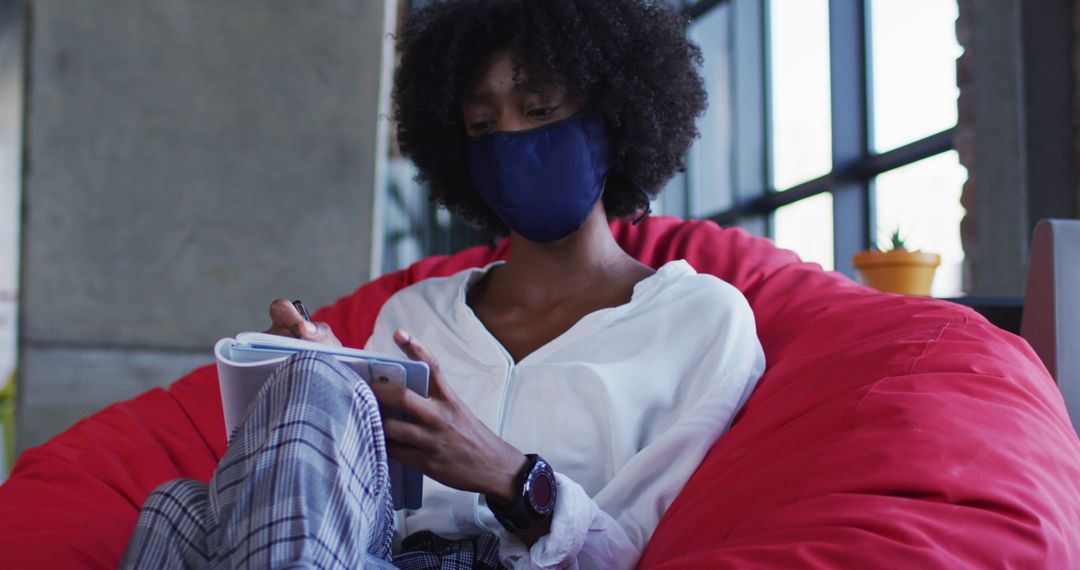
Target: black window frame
(855, 164)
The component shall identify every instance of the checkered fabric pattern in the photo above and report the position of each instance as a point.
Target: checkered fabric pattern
(425, 550)
(303, 484)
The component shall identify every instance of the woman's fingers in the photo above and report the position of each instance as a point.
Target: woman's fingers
(416, 351)
(285, 320)
(407, 454)
(319, 332)
(401, 398)
(401, 432)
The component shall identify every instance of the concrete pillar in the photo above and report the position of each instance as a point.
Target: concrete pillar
(186, 162)
(1015, 134)
(999, 261)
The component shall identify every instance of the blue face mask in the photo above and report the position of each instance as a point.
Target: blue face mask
(542, 182)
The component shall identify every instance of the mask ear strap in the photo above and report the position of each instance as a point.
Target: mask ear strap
(648, 205)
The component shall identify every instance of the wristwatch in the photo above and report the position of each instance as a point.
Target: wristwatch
(534, 497)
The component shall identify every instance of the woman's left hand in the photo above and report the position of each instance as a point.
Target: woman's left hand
(445, 440)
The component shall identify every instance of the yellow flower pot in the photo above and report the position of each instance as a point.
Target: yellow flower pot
(897, 271)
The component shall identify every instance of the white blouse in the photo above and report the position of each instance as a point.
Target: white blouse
(623, 405)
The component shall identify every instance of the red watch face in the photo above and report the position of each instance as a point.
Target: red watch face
(540, 492)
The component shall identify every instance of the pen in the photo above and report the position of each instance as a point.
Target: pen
(300, 308)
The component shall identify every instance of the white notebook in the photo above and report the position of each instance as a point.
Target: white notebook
(245, 363)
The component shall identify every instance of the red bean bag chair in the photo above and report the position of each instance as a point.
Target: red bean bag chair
(887, 431)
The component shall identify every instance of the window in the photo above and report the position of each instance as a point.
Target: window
(413, 226)
(801, 118)
(913, 63)
(842, 117)
(710, 186)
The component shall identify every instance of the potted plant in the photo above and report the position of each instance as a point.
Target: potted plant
(897, 269)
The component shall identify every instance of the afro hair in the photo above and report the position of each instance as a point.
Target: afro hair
(630, 59)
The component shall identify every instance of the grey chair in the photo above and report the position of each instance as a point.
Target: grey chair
(1051, 320)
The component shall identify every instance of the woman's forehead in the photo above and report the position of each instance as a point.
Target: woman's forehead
(500, 73)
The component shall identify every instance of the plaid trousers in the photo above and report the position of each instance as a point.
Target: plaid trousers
(303, 484)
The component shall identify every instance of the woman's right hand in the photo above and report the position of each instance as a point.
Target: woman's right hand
(285, 320)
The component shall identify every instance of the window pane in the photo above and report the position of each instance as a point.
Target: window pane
(806, 227)
(914, 51)
(799, 74)
(923, 200)
(672, 198)
(710, 158)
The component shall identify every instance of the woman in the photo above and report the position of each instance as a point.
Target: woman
(576, 390)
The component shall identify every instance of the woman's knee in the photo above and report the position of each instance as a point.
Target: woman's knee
(313, 372)
(323, 381)
(178, 492)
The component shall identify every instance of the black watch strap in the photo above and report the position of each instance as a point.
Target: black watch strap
(534, 497)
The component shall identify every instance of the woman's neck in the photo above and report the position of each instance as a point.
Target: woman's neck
(545, 274)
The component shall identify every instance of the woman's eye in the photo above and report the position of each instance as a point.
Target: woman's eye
(542, 112)
(479, 126)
